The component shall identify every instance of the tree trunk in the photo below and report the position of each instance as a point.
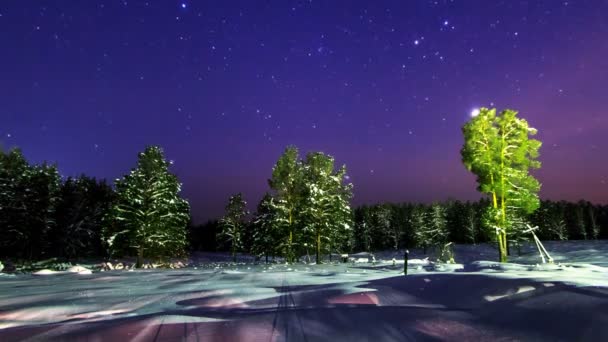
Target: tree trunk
(140, 257)
(499, 246)
(519, 249)
(502, 247)
(289, 247)
(318, 248)
(289, 253)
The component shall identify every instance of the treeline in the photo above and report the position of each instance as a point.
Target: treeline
(42, 215)
(392, 226)
(407, 225)
(306, 212)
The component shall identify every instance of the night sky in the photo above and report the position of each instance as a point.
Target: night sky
(383, 86)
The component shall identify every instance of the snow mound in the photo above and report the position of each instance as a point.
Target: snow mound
(73, 269)
(46, 272)
(424, 261)
(79, 269)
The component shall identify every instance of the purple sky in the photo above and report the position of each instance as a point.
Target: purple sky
(383, 86)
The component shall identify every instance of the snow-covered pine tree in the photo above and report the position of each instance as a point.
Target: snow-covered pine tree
(385, 236)
(437, 228)
(362, 229)
(594, 227)
(266, 226)
(287, 184)
(552, 220)
(580, 220)
(518, 224)
(341, 215)
(399, 214)
(83, 203)
(233, 222)
(326, 212)
(418, 221)
(42, 198)
(28, 199)
(470, 223)
(149, 217)
(13, 177)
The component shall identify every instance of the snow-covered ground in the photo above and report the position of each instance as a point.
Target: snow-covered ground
(213, 299)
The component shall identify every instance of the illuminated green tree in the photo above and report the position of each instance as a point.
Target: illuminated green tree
(499, 151)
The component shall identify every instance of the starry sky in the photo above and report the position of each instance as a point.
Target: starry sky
(383, 86)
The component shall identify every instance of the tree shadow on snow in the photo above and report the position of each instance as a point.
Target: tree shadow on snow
(417, 307)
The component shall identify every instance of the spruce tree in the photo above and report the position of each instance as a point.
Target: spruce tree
(266, 228)
(28, 199)
(470, 223)
(149, 217)
(382, 227)
(13, 179)
(233, 223)
(419, 223)
(594, 228)
(437, 226)
(363, 229)
(83, 204)
(550, 219)
(580, 223)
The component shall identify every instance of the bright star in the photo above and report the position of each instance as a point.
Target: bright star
(183, 5)
(475, 112)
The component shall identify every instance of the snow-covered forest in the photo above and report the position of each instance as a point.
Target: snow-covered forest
(44, 216)
(94, 260)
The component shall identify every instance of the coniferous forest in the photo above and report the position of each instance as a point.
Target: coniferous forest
(306, 212)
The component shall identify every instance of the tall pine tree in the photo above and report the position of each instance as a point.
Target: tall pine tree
(28, 200)
(149, 217)
(83, 204)
(325, 207)
(266, 232)
(288, 188)
(233, 223)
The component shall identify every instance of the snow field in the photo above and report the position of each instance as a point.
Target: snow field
(213, 299)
